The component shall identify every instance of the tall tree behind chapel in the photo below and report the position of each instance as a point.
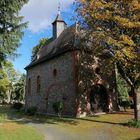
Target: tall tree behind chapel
(115, 26)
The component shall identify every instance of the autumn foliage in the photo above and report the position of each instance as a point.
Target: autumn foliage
(114, 25)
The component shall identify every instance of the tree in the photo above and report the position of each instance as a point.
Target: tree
(8, 76)
(123, 92)
(36, 48)
(115, 26)
(11, 26)
(19, 89)
(12, 76)
(4, 85)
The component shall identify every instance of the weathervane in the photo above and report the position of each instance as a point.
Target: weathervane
(59, 6)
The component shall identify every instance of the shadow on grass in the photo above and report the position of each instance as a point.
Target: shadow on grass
(48, 120)
(6, 112)
(107, 122)
(21, 118)
(9, 114)
(129, 112)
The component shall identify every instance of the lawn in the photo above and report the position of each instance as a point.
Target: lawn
(113, 125)
(10, 129)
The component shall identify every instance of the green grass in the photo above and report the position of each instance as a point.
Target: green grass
(13, 130)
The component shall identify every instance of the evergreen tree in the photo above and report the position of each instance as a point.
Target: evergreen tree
(11, 26)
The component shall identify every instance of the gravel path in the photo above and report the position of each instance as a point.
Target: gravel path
(54, 132)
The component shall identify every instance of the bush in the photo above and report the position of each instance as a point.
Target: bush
(17, 106)
(134, 123)
(58, 107)
(32, 110)
(125, 104)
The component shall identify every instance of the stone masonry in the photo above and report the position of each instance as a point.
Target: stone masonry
(60, 87)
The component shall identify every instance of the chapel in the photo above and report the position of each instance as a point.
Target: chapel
(62, 72)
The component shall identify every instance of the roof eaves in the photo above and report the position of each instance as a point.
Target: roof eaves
(51, 56)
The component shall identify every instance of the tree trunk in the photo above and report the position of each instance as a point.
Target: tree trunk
(8, 96)
(135, 103)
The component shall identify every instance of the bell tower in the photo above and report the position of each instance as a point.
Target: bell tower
(58, 25)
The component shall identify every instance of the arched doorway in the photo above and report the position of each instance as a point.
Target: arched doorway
(98, 99)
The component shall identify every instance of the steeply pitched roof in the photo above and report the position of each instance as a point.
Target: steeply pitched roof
(58, 19)
(65, 42)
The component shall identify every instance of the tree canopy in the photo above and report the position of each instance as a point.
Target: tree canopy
(8, 77)
(19, 89)
(36, 48)
(11, 26)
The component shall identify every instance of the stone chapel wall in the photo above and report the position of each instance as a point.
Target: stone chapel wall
(92, 71)
(57, 77)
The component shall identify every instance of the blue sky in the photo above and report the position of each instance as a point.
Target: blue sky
(40, 17)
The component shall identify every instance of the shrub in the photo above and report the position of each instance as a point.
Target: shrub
(32, 110)
(17, 106)
(125, 104)
(134, 123)
(58, 107)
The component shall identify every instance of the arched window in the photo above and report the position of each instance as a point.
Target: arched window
(38, 83)
(29, 86)
(54, 72)
(97, 70)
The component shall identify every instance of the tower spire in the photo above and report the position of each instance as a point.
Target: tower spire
(59, 24)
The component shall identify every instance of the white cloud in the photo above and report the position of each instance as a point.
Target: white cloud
(41, 13)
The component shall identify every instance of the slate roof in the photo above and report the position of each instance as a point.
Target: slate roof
(59, 19)
(52, 48)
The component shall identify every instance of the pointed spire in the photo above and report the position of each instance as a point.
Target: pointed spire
(58, 17)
